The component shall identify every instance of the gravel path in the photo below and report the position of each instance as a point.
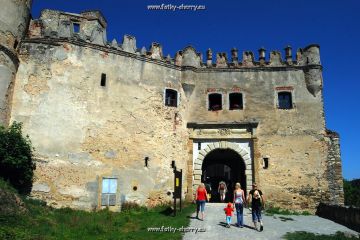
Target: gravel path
(274, 226)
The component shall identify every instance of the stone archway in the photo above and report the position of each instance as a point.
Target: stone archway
(197, 173)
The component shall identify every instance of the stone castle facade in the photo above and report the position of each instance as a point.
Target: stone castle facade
(107, 119)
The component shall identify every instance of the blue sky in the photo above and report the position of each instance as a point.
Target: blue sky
(249, 25)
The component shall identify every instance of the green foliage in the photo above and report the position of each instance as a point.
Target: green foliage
(312, 236)
(5, 186)
(131, 206)
(276, 210)
(43, 222)
(16, 162)
(352, 192)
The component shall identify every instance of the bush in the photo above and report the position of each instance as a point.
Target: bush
(16, 162)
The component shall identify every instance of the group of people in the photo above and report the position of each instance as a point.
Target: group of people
(255, 196)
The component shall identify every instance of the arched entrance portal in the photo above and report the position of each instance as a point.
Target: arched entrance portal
(223, 165)
(234, 150)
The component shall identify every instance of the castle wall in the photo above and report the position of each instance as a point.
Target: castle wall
(293, 139)
(82, 131)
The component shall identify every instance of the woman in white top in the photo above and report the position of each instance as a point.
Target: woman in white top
(239, 201)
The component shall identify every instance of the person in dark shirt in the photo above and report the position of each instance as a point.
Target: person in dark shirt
(257, 201)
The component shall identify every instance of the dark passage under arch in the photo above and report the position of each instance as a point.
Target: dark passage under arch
(223, 165)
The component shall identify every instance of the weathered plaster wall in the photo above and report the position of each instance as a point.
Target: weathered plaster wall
(7, 73)
(293, 140)
(14, 17)
(82, 131)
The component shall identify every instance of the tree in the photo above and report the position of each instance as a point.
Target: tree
(16, 160)
(352, 192)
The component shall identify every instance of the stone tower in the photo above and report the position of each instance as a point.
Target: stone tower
(14, 19)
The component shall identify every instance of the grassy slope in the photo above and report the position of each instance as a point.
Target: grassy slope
(41, 222)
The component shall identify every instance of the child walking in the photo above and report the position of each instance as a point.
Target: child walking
(228, 212)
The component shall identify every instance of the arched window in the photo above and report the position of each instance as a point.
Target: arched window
(215, 102)
(235, 101)
(285, 100)
(171, 98)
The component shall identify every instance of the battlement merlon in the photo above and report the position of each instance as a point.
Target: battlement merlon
(90, 27)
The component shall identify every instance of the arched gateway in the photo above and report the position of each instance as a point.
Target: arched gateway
(223, 165)
(223, 153)
(231, 147)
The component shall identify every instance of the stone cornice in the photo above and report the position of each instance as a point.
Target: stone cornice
(209, 125)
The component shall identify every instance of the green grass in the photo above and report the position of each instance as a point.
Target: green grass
(276, 210)
(42, 222)
(5, 186)
(312, 236)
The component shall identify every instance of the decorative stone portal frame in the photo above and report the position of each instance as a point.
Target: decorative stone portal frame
(222, 145)
(207, 137)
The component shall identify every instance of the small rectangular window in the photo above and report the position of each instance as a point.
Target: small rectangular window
(215, 102)
(199, 145)
(108, 191)
(171, 98)
(76, 27)
(16, 43)
(266, 163)
(284, 100)
(236, 101)
(103, 80)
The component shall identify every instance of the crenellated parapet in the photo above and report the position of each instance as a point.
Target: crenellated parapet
(89, 27)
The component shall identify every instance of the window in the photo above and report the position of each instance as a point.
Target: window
(284, 100)
(236, 101)
(215, 102)
(76, 27)
(171, 98)
(108, 193)
(16, 43)
(266, 163)
(103, 80)
(199, 145)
